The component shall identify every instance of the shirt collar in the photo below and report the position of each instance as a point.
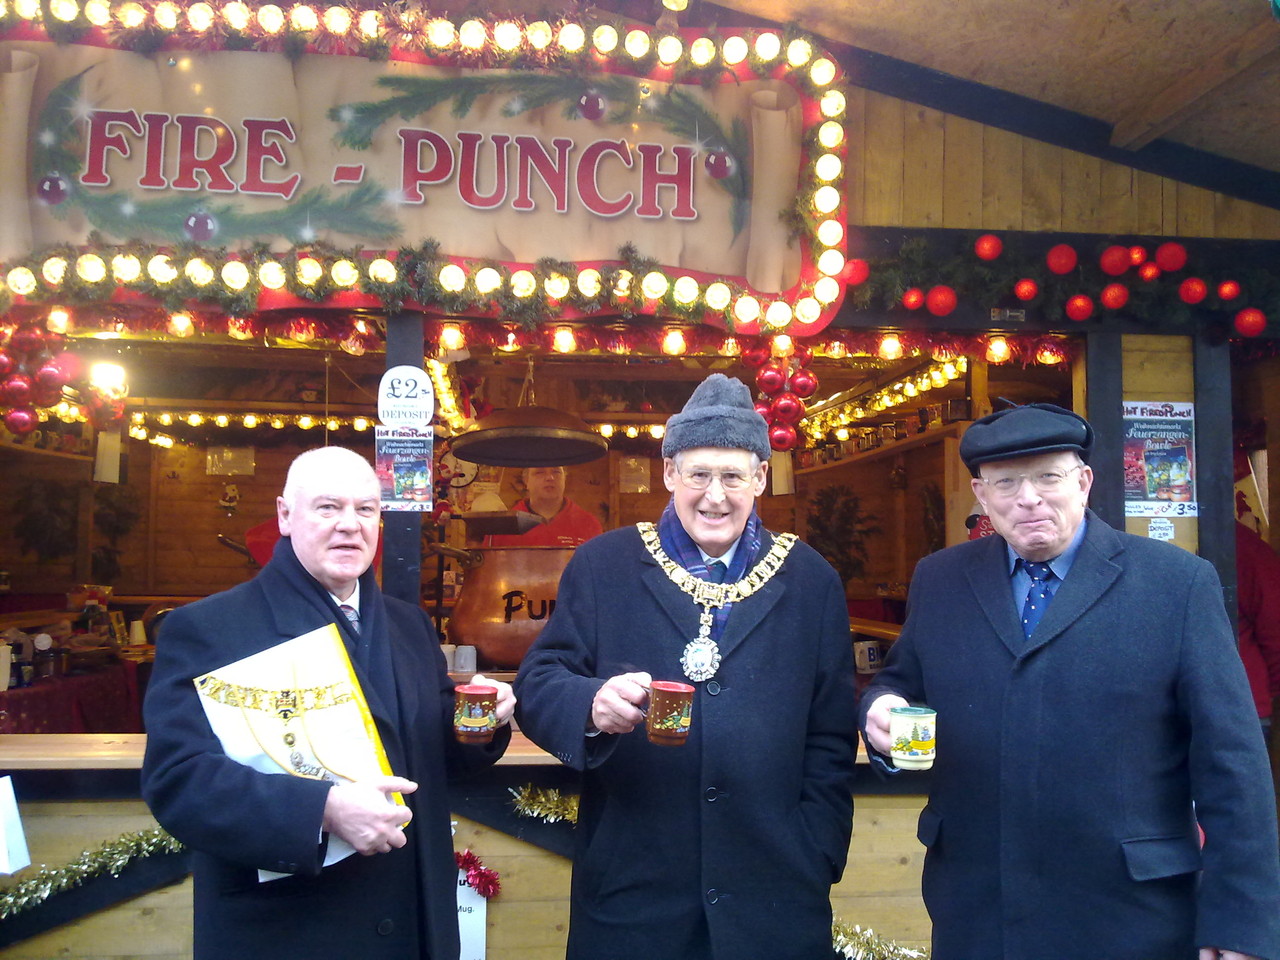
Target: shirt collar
(726, 558)
(352, 601)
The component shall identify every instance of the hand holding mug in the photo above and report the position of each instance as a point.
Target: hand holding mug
(618, 706)
(877, 730)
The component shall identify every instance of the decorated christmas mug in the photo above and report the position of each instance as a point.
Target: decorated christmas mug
(475, 712)
(670, 712)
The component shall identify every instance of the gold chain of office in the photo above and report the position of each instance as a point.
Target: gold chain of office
(282, 702)
(709, 594)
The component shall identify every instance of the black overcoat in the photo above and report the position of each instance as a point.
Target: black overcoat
(1060, 824)
(396, 906)
(750, 820)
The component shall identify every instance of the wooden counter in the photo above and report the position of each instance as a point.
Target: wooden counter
(123, 751)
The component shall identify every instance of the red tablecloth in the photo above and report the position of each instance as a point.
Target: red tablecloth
(103, 702)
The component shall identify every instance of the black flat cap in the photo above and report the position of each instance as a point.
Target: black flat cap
(1025, 432)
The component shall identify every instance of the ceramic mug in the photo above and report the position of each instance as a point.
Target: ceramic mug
(670, 712)
(913, 731)
(475, 714)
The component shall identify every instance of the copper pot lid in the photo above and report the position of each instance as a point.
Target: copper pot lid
(530, 436)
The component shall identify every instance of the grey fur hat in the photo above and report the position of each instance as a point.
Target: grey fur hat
(719, 413)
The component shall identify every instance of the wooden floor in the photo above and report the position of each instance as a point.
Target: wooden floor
(527, 921)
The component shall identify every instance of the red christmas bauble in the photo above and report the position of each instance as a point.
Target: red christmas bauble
(7, 364)
(801, 354)
(1115, 261)
(45, 396)
(988, 246)
(1193, 290)
(16, 390)
(103, 412)
(804, 383)
(1228, 290)
(21, 420)
(51, 376)
(857, 271)
(771, 378)
(756, 356)
(718, 164)
(1079, 308)
(1149, 271)
(1137, 255)
(1114, 296)
(1171, 256)
(1026, 289)
(1061, 258)
(26, 340)
(1250, 322)
(782, 436)
(763, 407)
(787, 408)
(591, 106)
(913, 299)
(940, 300)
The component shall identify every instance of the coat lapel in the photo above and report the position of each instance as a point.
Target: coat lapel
(1094, 570)
(989, 580)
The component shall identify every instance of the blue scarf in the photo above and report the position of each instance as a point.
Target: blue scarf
(679, 546)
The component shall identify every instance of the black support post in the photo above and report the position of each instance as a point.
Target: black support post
(402, 532)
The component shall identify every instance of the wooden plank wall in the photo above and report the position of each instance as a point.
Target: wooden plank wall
(528, 921)
(912, 166)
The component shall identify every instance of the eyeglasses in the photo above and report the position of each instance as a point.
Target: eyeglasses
(729, 479)
(1047, 481)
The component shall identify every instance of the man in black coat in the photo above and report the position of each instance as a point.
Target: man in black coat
(1092, 714)
(397, 898)
(726, 845)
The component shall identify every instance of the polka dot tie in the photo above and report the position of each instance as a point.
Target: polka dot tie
(353, 615)
(1038, 596)
(716, 571)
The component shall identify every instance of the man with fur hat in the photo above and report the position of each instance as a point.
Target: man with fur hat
(727, 845)
(1092, 710)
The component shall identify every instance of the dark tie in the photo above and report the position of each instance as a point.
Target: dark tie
(716, 571)
(353, 615)
(1038, 596)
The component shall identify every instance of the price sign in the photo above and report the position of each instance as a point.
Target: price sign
(406, 397)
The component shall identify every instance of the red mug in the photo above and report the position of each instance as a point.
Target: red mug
(670, 712)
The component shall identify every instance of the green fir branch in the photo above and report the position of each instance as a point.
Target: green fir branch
(57, 141)
(416, 96)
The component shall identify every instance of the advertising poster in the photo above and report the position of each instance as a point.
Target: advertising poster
(1159, 459)
(403, 463)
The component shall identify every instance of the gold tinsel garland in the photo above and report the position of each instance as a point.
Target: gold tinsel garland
(850, 941)
(112, 857)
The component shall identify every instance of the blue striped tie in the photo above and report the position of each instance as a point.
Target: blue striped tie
(716, 571)
(353, 615)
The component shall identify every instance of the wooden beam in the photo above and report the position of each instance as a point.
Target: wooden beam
(1171, 106)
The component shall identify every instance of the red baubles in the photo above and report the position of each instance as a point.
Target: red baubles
(1228, 290)
(1250, 322)
(764, 408)
(7, 364)
(756, 357)
(1114, 296)
(857, 271)
(1137, 255)
(1193, 290)
(787, 408)
(1115, 261)
(1171, 257)
(1026, 289)
(16, 389)
(940, 300)
(1061, 259)
(782, 436)
(771, 378)
(21, 420)
(1149, 272)
(804, 383)
(913, 299)
(1079, 308)
(988, 246)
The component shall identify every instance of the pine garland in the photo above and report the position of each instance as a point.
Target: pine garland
(112, 857)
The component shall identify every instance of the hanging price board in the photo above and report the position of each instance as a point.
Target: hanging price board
(406, 397)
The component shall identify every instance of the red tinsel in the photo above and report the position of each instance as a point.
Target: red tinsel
(479, 877)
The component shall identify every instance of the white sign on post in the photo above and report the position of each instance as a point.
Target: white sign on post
(406, 397)
(472, 910)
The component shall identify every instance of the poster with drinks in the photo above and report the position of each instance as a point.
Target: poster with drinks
(402, 460)
(1159, 459)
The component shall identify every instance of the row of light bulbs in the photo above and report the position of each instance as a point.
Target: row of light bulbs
(406, 24)
(838, 418)
(655, 430)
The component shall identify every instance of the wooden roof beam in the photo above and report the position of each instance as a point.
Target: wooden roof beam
(1179, 100)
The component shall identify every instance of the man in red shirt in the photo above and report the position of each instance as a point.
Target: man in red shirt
(565, 524)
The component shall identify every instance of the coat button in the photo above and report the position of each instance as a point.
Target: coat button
(713, 687)
(711, 794)
(385, 927)
(712, 896)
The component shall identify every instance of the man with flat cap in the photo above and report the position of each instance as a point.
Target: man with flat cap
(1092, 712)
(727, 845)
